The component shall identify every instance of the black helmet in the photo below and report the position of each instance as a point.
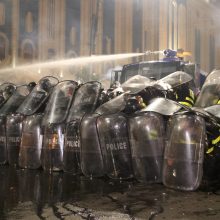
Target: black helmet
(132, 105)
(31, 85)
(9, 89)
(45, 84)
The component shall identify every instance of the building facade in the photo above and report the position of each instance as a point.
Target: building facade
(39, 30)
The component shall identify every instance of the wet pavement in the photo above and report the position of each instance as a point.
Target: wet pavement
(34, 194)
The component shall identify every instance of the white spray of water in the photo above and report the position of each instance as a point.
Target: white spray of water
(70, 62)
(64, 68)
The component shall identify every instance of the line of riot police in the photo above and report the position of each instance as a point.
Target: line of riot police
(145, 129)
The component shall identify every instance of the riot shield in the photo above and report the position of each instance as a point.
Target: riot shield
(184, 152)
(92, 162)
(115, 105)
(174, 80)
(10, 106)
(147, 135)
(136, 84)
(113, 135)
(53, 124)
(6, 91)
(3, 146)
(71, 151)
(59, 103)
(52, 149)
(210, 92)
(13, 136)
(85, 102)
(162, 106)
(38, 96)
(15, 100)
(31, 142)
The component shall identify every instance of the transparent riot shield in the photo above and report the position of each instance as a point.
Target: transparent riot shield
(136, 84)
(184, 152)
(174, 80)
(3, 146)
(13, 136)
(114, 105)
(9, 107)
(31, 142)
(38, 96)
(85, 102)
(53, 124)
(210, 92)
(52, 149)
(92, 162)
(71, 153)
(113, 135)
(147, 135)
(15, 100)
(6, 91)
(163, 106)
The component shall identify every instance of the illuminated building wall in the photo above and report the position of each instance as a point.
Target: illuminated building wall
(52, 29)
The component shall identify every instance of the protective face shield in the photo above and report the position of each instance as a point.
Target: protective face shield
(184, 152)
(113, 136)
(31, 142)
(147, 137)
(13, 136)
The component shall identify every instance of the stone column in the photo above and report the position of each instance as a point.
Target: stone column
(15, 31)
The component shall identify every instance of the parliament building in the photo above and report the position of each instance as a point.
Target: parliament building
(40, 30)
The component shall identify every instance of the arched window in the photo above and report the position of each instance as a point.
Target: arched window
(2, 48)
(28, 52)
(51, 53)
(71, 54)
(73, 36)
(29, 22)
(2, 13)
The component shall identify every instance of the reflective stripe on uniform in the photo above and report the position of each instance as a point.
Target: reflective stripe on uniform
(153, 135)
(191, 94)
(177, 96)
(216, 140)
(186, 103)
(210, 150)
(190, 100)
